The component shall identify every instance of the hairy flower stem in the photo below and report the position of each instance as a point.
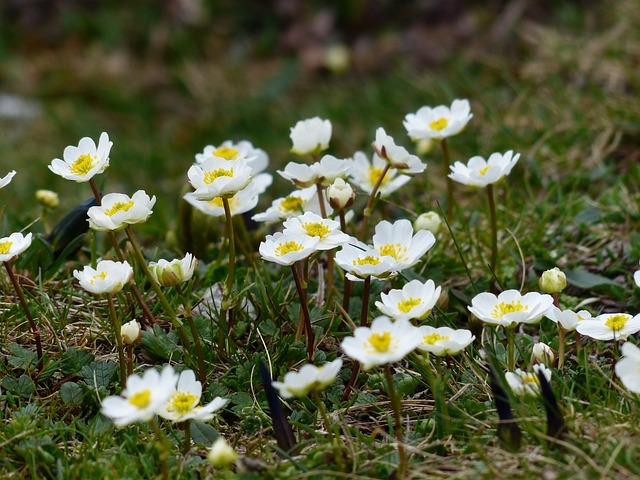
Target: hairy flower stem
(202, 373)
(510, 331)
(186, 446)
(447, 163)
(395, 402)
(494, 230)
(164, 449)
(561, 340)
(117, 327)
(369, 208)
(305, 312)
(224, 327)
(25, 307)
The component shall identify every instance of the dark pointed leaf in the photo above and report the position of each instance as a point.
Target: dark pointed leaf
(281, 426)
(556, 426)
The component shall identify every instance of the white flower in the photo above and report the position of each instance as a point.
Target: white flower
(361, 261)
(510, 307)
(183, 402)
(286, 249)
(256, 158)
(118, 210)
(479, 172)
(130, 332)
(294, 204)
(636, 277)
(221, 454)
(384, 342)
(107, 277)
(610, 326)
(13, 245)
(439, 122)
(568, 319)
(365, 175)
(81, 163)
(444, 340)
(218, 177)
(415, 300)
(170, 274)
(6, 180)
(552, 281)
(543, 353)
(430, 221)
(523, 383)
(323, 172)
(143, 397)
(398, 241)
(628, 367)
(309, 379)
(310, 136)
(340, 194)
(327, 231)
(397, 156)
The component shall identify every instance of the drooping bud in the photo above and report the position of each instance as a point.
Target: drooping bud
(221, 454)
(430, 221)
(552, 281)
(340, 194)
(130, 332)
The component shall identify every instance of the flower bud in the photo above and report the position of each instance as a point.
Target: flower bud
(130, 332)
(48, 198)
(170, 274)
(544, 354)
(221, 454)
(430, 221)
(424, 146)
(340, 194)
(552, 281)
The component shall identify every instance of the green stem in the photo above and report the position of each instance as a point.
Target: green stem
(511, 348)
(305, 312)
(494, 230)
(187, 438)
(202, 373)
(561, 341)
(117, 327)
(395, 402)
(445, 156)
(227, 291)
(369, 208)
(323, 209)
(162, 447)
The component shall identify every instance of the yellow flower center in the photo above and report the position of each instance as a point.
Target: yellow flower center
(483, 171)
(182, 402)
(395, 250)
(227, 153)
(368, 260)
(616, 322)
(291, 204)
(5, 247)
(433, 338)
(119, 207)
(288, 247)
(101, 275)
(209, 177)
(141, 399)
(216, 202)
(530, 378)
(380, 341)
(374, 175)
(501, 309)
(439, 124)
(82, 165)
(316, 229)
(405, 305)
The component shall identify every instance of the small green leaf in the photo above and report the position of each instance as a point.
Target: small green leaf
(203, 433)
(21, 357)
(23, 386)
(587, 280)
(160, 344)
(98, 374)
(74, 359)
(71, 393)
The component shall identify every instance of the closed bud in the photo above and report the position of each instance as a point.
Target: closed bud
(221, 454)
(48, 198)
(552, 281)
(424, 146)
(340, 194)
(130, 332)
(170, 274)
(430, 221)
(544, 354)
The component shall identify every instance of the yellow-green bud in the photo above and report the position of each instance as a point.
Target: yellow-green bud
(552, 281)
(424, 146)
(48, 198)
(430, 221)
(170, 274)
(544, 354)
(130, 332)
(340, 194)
(336, 58)
(221, 454)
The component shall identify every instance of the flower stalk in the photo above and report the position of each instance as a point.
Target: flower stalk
(447, 162)
(395, 402)
(494, 229)
(202, 372)
(369, 208)
(224, 327)
(306, 318)
(117, 327)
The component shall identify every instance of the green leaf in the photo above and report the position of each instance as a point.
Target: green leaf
(74, 359)
(21, 357)
(23, 386)
(203, 433)
(587, 280)
(98, 374)
(160, 344)
(71, 393)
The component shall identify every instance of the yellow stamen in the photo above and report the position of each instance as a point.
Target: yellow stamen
(501, 309)
(82, 165)
(141, 399)
(288, 247)
(530, 378)
(216, 202)
(617, 322)
(433, 338)
(101, 275)
(395, 250)
(316, 229)
(227, 153)
(483, 171)
(209, 177)
(291, 204)
(368, 260)
(380, 341)
(5, 247)
(182, 402)
(374, 175)
(439, 124)
(405, 305)
(119, 207)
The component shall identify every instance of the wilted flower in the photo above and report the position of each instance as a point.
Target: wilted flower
(568, 319)
(610, 326)
(323, 172)
(48, 198)
(6, 180)
(256, 158)
(325, 230)
(361, 261)
(118, 210)
(510, 307)
(340, 194)
(13, 245)
(628, 367)
(142, 398)
(439, 122)
(552, 281)
(365, 174)
(524, 383)
(543, 354)
(430, 221)
(444, 340)
(107, 277)
(382, 343)
(130, 332)
(221, 454)
(183, 402)
(286, 249)
(479, 172)
(81, 163)
(310, 136)
(415, 300)
(308, 379)
(218, 177)
(397, 156)
(398, 241)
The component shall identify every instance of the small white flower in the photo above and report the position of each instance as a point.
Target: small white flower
(568, 319)
(628, 367)
(510, 307)
(365, 174)
(143, 397)
(439, 122)
(130, 332)
(397, 156)
(430, 221)
(323, 172)
(309, 379)
(310, 136)
(294, 204)
(13, 245)
(327, 231)
(524, 383)
(221, 454)
(107, 277)
(286, 249)
(218, 177)
(444, 340)
(6, 180)
(183, 403)
(415, 300)
(170, 274)
(382, 343)
(340, 194)
(398, 241)
(543, 354)
(479, 172)
(118, 210)
(361, 261)
(81, 163)
(610, 326)
(256, 158)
